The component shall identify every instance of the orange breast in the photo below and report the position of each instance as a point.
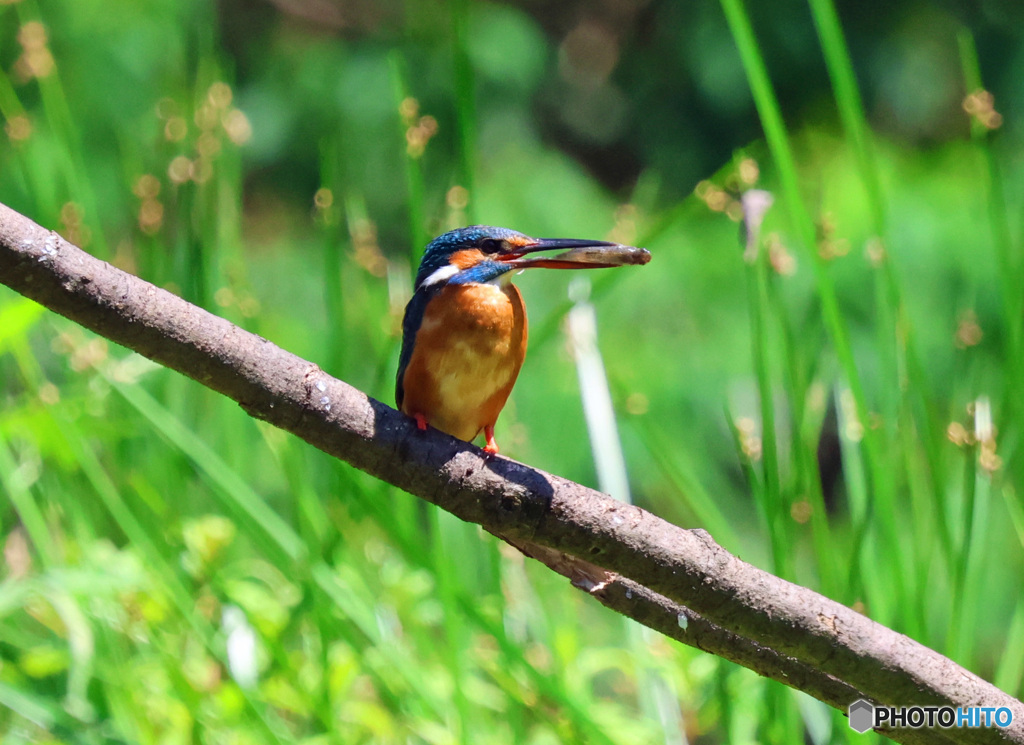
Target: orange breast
(468, 352)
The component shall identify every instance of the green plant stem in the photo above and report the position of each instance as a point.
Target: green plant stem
(412, 165)
(465, 103)
(330, 224)
(804, 445)
(770, 497)
(896, 339)
(882, 488)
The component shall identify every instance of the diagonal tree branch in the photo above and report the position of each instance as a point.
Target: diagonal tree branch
(681, 582)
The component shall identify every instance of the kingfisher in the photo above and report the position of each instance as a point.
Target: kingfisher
(465, 329)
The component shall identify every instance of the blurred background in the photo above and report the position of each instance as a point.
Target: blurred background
(837, 400)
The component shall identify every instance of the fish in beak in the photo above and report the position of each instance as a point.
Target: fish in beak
(576, 254)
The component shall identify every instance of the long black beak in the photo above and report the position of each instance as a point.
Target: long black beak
(576, 254)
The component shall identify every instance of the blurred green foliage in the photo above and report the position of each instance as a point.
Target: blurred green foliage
(175, 572)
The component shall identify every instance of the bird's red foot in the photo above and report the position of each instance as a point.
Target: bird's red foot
(491, 446)
(421, 421)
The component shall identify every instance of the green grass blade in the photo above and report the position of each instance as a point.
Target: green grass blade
(29, 512)
(276, 537)
(882, 489)
(770, 499)
(465, 104)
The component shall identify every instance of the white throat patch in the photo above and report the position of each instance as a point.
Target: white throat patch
(440, 275)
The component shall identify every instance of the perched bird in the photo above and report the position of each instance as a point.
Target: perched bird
(465, 329)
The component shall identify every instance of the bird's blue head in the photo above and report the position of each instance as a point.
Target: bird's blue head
(476, 250)
(482, 253)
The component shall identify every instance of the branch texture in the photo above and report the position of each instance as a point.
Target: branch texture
(681, 582)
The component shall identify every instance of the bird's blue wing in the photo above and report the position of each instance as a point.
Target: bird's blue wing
(410, 325)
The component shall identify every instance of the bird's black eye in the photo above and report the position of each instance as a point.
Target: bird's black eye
(492, 245)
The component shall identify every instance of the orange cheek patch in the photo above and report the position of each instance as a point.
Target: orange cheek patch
(466, 258)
